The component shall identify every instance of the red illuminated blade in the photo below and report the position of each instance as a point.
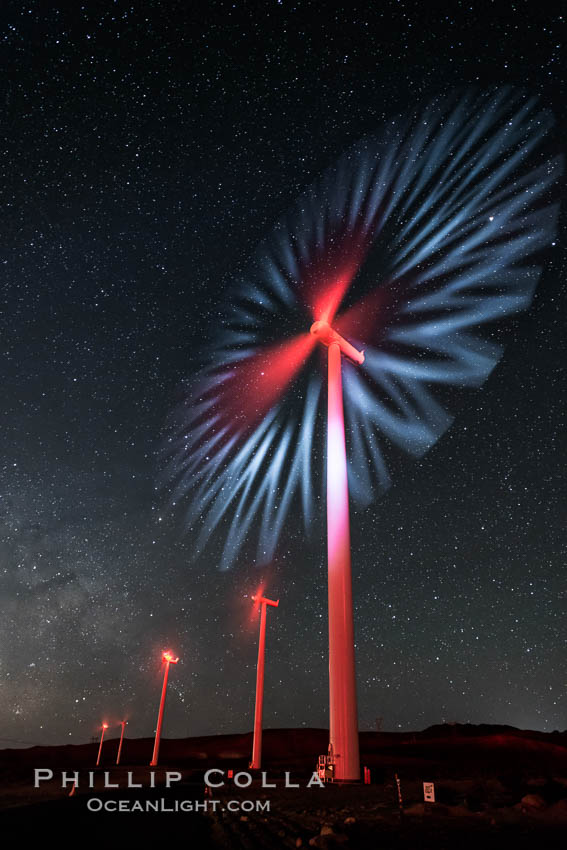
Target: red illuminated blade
(256, 598)
(327, 281)
(360, 321)
(327, 300)
(259, 381)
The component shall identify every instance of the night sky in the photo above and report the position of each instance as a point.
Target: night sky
(147, 149)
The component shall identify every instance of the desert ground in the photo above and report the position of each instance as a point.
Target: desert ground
(495, 787)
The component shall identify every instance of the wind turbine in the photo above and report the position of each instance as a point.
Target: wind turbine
(104, 727)
(263, 602)
(168, 659)
(420, 241)
(123, 725)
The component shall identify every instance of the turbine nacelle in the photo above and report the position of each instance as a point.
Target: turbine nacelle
(323, 332)
(262, 599)
(169, 657)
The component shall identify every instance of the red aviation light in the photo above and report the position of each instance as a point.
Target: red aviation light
(169, 657)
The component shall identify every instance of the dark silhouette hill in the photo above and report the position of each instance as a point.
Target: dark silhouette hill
(442, 750)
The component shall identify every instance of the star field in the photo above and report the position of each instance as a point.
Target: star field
(146, 150)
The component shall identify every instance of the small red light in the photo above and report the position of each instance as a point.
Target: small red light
(169, 657)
